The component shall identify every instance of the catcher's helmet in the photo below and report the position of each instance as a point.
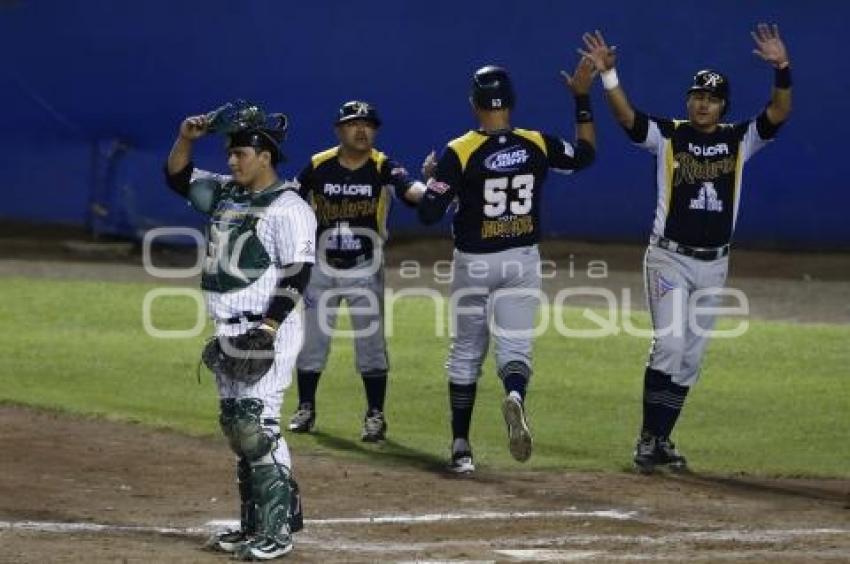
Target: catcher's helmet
(358, 110)
(492, 89)
(246, 125)
(713, 82)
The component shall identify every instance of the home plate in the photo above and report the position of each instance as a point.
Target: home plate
(547, 555)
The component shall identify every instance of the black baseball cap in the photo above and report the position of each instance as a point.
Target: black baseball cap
(356, 109)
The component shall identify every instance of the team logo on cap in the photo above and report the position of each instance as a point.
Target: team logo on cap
(712, 79)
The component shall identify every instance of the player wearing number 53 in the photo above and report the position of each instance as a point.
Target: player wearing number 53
(496, 175)
(350, 187)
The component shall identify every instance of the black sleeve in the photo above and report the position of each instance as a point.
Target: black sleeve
(289, 290)
(441, 189)
(305, 181)
(179, 182)
(394, 174)
(766, 128)
(564, 156)
(640, 128)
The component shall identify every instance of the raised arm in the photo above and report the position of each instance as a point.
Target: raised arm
(770, 48)
(579, 84)
(191, 128)
(604, 59)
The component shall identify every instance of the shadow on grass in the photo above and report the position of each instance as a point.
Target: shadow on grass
(389, 451)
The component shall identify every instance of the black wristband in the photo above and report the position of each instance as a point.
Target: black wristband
(584, 114)
(782, 78)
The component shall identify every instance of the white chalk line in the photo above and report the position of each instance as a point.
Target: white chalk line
(402, 519)
(729, 535)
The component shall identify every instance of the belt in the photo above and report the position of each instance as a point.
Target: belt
(344, 263)
(699, 253)
(244, 316)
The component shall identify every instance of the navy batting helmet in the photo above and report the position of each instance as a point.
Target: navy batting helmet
(714, 83)
(492, 89)
(358, 110)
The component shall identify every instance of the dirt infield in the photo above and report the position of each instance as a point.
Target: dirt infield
(156, 492)
(87, 490)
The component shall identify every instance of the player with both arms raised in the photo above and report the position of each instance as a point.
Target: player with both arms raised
(698, 177)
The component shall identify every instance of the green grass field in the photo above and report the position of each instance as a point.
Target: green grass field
(775, 401)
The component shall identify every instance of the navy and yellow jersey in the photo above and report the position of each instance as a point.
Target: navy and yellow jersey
(698, 175)
(497, 181)
(348, 203)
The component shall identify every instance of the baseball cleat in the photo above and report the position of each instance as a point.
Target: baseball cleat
(644, 455)
(228, 541)
(264, 547)
(519, 435)
(653, 452)
(374, 427)
(304, 419)
(461, 463)
(667, 455)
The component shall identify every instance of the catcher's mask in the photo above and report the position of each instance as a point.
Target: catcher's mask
(355, 109)
(714, 83)
(247, 125)
(492, 89)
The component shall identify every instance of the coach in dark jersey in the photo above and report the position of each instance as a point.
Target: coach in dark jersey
(698, 176)
(496, 175)
(351, 187)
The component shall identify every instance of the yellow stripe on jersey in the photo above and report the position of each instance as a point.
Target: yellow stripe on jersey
(670, 171)
(382, 212)
(533, 136)
(736, 185)
(379, 158)
(465, 145)
(319, 158)
(670, 166)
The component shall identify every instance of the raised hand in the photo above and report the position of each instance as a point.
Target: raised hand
(769, 45)
(193, 127)
(579, 83)
(603, 57)
(429, 166)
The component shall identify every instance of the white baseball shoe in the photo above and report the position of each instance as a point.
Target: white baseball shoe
(519, 435)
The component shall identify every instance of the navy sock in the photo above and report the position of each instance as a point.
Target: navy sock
(675, 401)
(308, 382)
(515, 375)
(662, 403)
(375, 384)
(462, 400)
(515, 383)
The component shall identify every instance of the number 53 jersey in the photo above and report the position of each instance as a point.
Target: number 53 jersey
(497, 181)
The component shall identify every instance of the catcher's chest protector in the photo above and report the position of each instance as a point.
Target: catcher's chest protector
(236, 257)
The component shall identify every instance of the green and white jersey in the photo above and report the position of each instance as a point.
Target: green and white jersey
(250, 236)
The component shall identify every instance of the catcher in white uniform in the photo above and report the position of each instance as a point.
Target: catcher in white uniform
(260, 246)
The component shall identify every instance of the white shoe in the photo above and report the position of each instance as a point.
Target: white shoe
(263, 548)
(228, 541)
(519, 435)
(461, 463)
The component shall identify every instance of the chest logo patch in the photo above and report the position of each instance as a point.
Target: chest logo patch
(508, 159)
(707, 199)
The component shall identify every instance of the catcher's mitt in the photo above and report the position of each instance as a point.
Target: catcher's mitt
(246, 357)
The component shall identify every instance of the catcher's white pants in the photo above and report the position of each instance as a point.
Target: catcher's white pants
(270, 388)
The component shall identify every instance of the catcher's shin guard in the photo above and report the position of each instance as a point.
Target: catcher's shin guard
(273, 496)
(247, 508)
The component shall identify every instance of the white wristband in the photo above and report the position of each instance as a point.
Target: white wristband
(609, 79)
